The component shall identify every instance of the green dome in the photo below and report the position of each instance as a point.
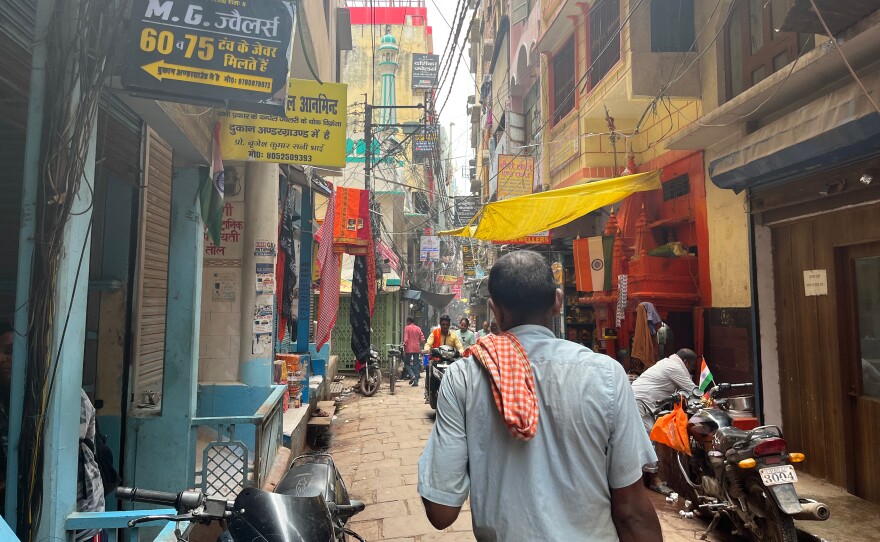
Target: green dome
(388, 42)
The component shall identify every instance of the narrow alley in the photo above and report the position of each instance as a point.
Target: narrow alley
(376, 443)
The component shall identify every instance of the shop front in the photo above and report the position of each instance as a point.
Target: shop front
(818, 256)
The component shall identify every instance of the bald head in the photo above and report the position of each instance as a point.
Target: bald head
(521, 284)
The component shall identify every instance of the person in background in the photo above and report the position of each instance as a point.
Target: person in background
(532, 418)
(485, 330)
(664, 378)
(89, 488)
(468, 337)
(412, 346)
(494, 329)
(440, 336)
(665, 339)
(443, 335)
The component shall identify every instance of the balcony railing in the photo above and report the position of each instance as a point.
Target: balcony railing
(240, 455)
(116, 524)
(241, 449)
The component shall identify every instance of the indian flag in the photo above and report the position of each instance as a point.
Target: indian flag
(705, 376)
(592, 256)
(211, 191)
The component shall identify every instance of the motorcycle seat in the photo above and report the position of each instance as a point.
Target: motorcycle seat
(727, 437)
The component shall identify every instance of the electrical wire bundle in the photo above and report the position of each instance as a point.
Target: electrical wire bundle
(83, 40)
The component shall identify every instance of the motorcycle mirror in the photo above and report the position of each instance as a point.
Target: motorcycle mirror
(697, 391)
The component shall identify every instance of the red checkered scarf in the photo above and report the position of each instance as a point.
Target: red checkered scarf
(513, 385)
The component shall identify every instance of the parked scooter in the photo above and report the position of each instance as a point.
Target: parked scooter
(371, 374)
(745, 476)
(441, 358)
(310, 504)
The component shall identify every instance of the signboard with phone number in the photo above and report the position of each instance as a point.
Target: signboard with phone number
(210, 50)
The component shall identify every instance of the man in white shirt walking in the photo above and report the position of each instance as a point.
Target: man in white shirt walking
(661, 380)
(542, 434)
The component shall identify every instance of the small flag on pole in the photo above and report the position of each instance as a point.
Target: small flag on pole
(705, 376)
(211, 192)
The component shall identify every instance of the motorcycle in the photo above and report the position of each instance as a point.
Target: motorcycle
(371, 374)
(744, 476)
(310, 504)
(441, 358)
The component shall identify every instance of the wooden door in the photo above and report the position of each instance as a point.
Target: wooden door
(859, 271)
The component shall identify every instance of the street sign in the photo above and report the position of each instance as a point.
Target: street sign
(467, 261)
(424, 70)
(312, 132)
(207, 51)
(425, 143)
(516, 174)
(465, 209)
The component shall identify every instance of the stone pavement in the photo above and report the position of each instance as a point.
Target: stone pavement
(376, 443)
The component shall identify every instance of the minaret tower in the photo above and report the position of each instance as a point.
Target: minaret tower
(387, 55)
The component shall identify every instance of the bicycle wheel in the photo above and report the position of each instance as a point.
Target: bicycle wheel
(392, 378)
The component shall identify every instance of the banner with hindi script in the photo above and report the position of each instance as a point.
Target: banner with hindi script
(204, 51)
(311, 133)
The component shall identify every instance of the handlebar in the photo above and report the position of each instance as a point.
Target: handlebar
(183, 501)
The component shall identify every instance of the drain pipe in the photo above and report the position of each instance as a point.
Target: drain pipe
(755, 316)
(26, 234)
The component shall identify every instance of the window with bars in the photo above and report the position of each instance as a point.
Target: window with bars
(754, 50)
(563, 81)
(676, 187)
(604, 39)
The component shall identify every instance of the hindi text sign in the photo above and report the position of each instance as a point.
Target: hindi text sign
(231, 234)
(425, 142)
(312, 132)
(466, 208)
(815, 282)
(424, 70)
(515, 175)
(429, 248)
(467, 261)
(202, 50)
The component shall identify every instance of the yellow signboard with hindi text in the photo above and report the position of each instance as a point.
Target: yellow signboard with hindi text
(311, 133)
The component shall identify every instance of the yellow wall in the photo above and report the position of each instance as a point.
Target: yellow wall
(728, 220)
(728, 246)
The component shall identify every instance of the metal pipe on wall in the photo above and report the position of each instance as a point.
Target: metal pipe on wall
(755, 319)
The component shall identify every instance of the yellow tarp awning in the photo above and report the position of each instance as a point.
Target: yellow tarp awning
(525, 215)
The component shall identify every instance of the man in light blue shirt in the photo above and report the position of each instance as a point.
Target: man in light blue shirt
(579, 477)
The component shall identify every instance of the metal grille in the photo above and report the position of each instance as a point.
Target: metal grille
(225, 468)
(677, 187)
(383, 329)
(604, 39)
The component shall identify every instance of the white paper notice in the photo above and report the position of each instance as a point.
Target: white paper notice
(815, 282)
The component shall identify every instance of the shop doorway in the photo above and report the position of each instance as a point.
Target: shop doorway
(682, 324)
(859, 272)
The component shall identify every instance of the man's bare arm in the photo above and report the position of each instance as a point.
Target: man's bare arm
(440, 515)
(633, 515)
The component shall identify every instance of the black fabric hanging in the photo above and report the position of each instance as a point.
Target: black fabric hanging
(359, 314)
(288, 253)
